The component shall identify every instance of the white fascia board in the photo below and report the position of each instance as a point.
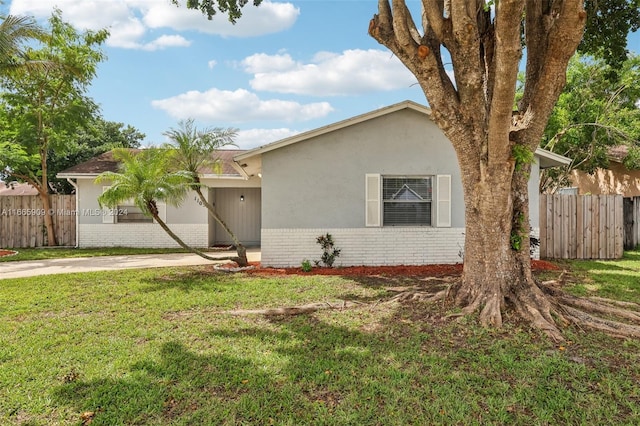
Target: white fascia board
(551, 159)
(77, 176)
(217, 176)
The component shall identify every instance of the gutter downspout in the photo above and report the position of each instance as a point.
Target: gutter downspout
(75, 186)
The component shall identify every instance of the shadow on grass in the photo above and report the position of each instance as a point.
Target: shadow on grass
(187, 279)
(319, 369)
(177, 385)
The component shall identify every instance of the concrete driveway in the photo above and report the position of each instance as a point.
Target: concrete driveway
(31, 268)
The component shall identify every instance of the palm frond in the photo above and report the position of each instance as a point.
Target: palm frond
(144, 177)
(195, 148)
(15, 33)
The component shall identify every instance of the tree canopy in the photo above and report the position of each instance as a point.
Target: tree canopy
(15, 33)
(609, 23)
(42, 106)
(594, 114)
(94, 138)
(232, 8)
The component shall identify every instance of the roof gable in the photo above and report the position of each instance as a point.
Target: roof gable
(333, 127)
(250, 161)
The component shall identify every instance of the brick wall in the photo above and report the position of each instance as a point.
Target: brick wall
(365, 246)
(148, 235)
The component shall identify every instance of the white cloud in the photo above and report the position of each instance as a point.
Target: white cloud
(86, 14)
(212, 63)
(238, 106)
(129, 21)
(329, 74)
(165, 41)
(247, 139)
(267, 18)
(262, 63)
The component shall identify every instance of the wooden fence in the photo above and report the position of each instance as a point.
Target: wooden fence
(581, 226)
(22, 220)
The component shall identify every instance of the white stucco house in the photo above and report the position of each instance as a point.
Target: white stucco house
(385, 184)
(236, 195)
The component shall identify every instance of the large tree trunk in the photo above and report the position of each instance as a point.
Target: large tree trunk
(48, 218)
(497, 265)
(43, 190)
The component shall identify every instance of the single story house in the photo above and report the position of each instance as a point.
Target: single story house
(235, 194)
(386, 184)
(16, 188)
(615, 179)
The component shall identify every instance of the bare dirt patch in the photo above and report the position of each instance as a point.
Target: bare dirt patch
(398, 270)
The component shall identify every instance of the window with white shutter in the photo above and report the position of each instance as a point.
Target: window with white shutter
(444, 201)
(372, 203)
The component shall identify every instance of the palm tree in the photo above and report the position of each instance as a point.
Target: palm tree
(195, 150)
(145, 178)
(15, 32)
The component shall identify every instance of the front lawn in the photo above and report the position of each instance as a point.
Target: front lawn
(42, 253)
(160, 347)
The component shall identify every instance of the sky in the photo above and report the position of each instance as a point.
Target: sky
(286, 67)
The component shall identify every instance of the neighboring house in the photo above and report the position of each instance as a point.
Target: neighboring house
(616, 179)
(15, 188)
(236, 195)
(385, 184)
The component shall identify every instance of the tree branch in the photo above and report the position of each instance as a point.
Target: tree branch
(507, 61)
(562, 28)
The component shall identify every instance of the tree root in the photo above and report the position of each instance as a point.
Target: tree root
(545, 306)
(418, 296)
(615, 318)
(297, 310)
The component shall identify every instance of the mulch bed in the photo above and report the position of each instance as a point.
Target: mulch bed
(7, 253)
(401, 270)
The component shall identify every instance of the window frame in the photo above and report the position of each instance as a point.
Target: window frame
(441, 201)
(387, 202)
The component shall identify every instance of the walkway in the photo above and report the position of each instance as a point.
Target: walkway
(32, 268)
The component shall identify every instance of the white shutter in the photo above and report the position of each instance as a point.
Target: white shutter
(443, 200)
(372, 196)
(107, 213)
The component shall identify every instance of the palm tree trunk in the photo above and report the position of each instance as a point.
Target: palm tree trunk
(182, 244)
(241, 250)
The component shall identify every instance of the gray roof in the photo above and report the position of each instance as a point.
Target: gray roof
(106, 163)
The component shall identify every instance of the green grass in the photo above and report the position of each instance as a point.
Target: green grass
(619, 279)
(158, 347)
(55, 253)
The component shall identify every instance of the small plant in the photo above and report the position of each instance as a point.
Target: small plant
(518, 233)
(306, 265)
(523, 156)
(329, 251)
